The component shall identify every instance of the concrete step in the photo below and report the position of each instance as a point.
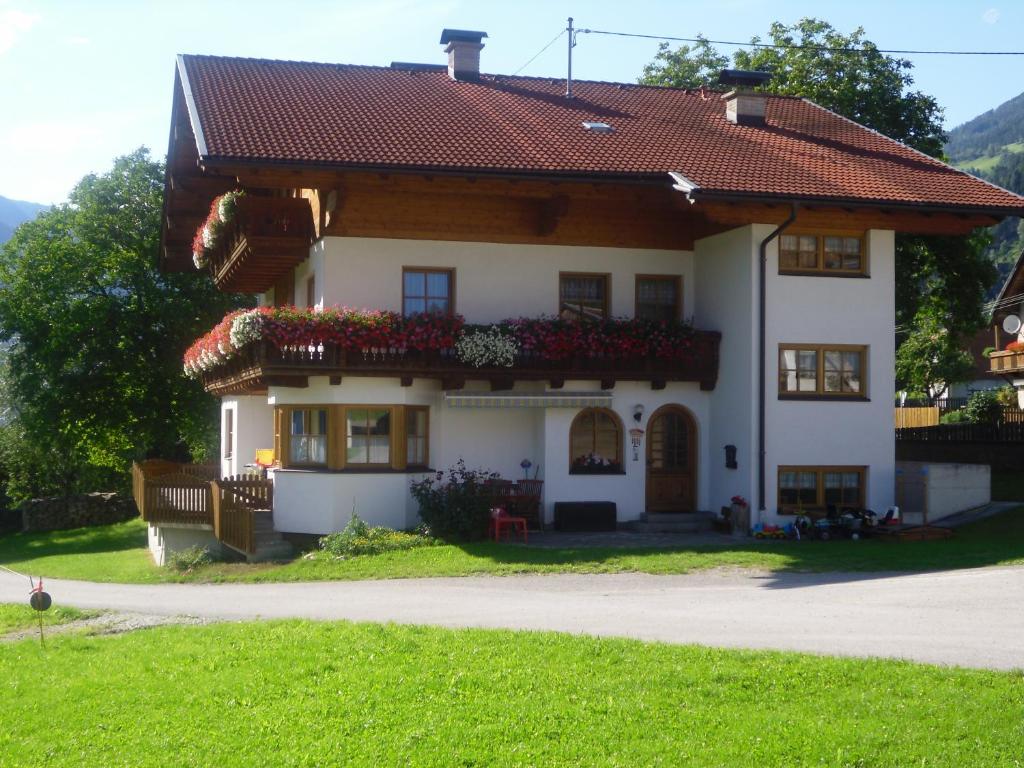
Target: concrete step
(279, 550)
(673, 522)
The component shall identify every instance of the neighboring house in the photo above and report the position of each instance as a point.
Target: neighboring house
(1008, 363)
(768, 222)
(983, 379)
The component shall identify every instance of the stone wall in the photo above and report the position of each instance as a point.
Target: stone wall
(58, 514)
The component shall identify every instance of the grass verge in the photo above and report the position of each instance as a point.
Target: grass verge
(310, 694)
(15, 617)
(117, 553)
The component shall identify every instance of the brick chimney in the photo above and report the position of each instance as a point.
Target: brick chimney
(463, 51)
(744, 105)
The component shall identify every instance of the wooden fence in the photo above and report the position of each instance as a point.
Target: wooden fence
(926, 416)
(1007, 432)
(170, 493)
(236, 500)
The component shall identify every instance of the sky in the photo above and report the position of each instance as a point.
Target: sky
(84, 81)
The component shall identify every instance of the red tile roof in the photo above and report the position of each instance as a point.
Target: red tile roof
(256, 110)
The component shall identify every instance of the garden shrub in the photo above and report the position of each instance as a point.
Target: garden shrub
(188, 560)
(954, 417)
(984, 408)
(358, 538)
(456, 504)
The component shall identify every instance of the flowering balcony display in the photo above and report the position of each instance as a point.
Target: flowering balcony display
(306, 341)
(595, 464)
(222, 213)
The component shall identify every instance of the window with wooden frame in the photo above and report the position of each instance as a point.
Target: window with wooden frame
(823, 370)
(428, 290)
(659, 297)
(816, 488)
(583, 296)
(229, 432)
(352, 437)
(822, 254)
(595, 442)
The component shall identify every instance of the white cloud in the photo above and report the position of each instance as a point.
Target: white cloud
(79, 40)
(991, 16)
(13, 24)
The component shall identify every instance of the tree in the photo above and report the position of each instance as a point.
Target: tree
(689, 66)
(95, 334)
(936, 276)
(932, 358)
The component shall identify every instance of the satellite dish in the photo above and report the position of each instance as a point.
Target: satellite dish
(1011, 324)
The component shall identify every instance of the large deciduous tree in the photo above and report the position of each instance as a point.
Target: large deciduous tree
(938, 279)
(94, 334)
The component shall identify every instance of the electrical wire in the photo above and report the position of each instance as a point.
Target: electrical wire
(538, 53)
(793, 47)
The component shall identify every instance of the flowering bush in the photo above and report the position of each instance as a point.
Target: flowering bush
(222, 210)
(500, 345)
(595, 464)
(493, 346)
(1015, 346)
(358, 538)
(456, 504)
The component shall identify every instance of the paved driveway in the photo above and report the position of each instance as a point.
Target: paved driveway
(972, 617)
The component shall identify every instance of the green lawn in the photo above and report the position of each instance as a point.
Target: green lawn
(117, 553)
(17, 617)
(313, 694)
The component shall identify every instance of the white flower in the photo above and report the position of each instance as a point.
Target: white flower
(199, 259)
(208, 237)
(490, 347)
(246, 328)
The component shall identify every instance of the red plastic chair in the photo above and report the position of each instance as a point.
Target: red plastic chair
(500, 518)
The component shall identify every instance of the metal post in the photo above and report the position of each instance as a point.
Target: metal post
(568, 78)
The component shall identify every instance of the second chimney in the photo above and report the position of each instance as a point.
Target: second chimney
(743, 105)
(463, 51)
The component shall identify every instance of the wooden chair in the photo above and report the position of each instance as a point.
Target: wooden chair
(500, 518)
(527, 495)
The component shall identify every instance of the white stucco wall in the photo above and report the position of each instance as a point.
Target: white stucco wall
(253, 429)
(493, 281)
(813, 310)
(726, 301)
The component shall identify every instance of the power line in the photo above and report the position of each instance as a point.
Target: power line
(782, 46)
(538, 53)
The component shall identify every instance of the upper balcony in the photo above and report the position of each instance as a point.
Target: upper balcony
(262, 240)
(1010, 361)
(250, 351)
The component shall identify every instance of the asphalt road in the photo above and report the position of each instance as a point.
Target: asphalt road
(971, 618)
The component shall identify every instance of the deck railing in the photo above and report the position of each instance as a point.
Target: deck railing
(169, 493)
(236, 500)
(262, 362)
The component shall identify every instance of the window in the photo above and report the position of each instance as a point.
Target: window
(658, 297)
(368, 437)
(595, 442)
(416, 430)
(821, 254)
(815, 488)
(826, 370)
(427, 290)
(229, 432)
(307, 439)
(582, 297)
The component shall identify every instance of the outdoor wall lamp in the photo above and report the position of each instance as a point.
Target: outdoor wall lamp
(638, 412)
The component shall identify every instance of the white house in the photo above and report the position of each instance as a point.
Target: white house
(756, 231)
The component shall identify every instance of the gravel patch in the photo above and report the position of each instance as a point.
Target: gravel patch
(108, 623)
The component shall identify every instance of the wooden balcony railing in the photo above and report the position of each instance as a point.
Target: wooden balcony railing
(169, 493)
(236, 500)
(262, 364)
(1010, 361)
(267, 238)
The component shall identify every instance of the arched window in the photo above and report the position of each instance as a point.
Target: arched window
(595, 442)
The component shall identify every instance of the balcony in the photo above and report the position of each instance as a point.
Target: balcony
(262, 364)
(1008, 362)
(265, 241)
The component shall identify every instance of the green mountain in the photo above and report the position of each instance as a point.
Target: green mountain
(13, 213)
(992, 146)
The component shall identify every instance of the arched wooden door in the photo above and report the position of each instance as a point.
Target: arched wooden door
(671, 460)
